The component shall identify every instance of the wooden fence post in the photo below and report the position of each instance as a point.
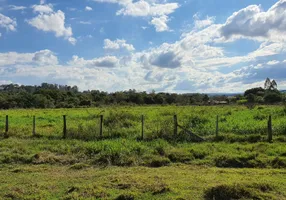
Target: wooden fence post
(175, 125)
(34, 126)
(65, 127)
(6, 126)
(142, 127)
(101, 126)
(270, 129)
(216, 131)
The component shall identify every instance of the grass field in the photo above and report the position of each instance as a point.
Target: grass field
(237, 165)
(126, 121)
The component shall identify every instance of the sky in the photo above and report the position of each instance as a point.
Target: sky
(181, 46)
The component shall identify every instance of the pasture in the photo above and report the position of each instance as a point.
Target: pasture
(237, 164)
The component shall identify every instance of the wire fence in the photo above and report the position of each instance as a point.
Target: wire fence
(126, 125)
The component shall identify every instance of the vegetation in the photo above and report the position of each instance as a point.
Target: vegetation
(39, 168)
(236, 123)
(58, 96)
(173, 182)
(63, 96)
(236, 164)
(269, 94)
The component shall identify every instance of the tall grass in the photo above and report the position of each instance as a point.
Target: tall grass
(125, 122)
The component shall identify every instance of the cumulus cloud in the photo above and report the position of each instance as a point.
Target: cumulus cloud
(49, 21)
(47, 8)
(166, 59)
(160, 23)
(194, 63)
(253, 22)
(43, 57)
(7, 23)
(143, 8)
(117, 45)
(255, 73)
(107, 61)
(202, 23)
(146, 8)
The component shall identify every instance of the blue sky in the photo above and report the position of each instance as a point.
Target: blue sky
(162, 45)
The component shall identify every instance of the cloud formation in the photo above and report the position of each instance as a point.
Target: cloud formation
(7, 23)
(117, 45)
(50, 21)
(144, 8)
(253, 22)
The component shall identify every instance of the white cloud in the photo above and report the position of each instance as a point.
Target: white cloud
(43, 57)
(117, 44)
(87, 8)
(202, 23)
(160, 23)
(107, 61)
(194, 63)
(253, 22)
(13, 7)
(47, 8)
(50, 21)
(143, 8)
(147, 8)
(7, 23)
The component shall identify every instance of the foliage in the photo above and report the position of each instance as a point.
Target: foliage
(269, 94)
(59, 96)
(237, 122)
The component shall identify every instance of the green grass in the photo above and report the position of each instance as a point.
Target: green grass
(126, 121)
(128, 152)
(172, 182)
(238, 164)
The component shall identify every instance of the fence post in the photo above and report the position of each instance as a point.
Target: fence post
(216, 131)
(6, 126)
(101, 126)
(175, 125)
(270, 129)
(142, 127)
(65, 127)
(34, 126)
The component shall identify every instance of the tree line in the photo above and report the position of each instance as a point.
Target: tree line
(62, 96)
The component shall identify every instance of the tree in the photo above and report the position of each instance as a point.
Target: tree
(256, 91)
(273, 85)
(267, 84)
(272, 96)
(270, 85)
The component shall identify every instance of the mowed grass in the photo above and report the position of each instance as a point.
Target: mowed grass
(125, 122)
